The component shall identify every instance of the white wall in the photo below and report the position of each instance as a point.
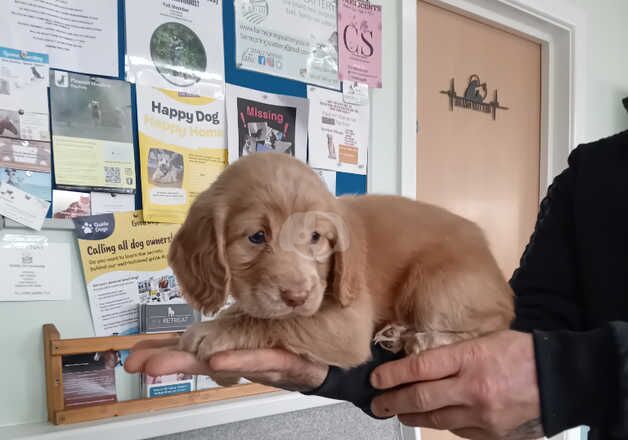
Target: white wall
(607, 71)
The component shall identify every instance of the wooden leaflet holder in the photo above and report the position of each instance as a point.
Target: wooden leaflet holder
(55, 348)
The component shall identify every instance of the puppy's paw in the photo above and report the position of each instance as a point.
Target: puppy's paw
(206, 338)
(391, 337)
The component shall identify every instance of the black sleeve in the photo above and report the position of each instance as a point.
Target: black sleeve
(582, 375)
(354, 385)
(545, 282)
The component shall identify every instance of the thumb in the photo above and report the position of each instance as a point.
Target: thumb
(432, 364)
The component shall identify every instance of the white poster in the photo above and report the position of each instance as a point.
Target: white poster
(78, 35)
(338, 132)
(296, 39)
(33, 269)
(22, 207)
(176, 45)
(260, 121)
(104, 203)
(328, 178)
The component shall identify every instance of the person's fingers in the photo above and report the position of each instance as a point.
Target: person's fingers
(455, 417)
(156, 343)
(429, 365)
(175, 361)
(418, 398)
(254, 361)
(134, 363)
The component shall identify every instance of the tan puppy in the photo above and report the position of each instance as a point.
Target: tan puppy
(319, 276)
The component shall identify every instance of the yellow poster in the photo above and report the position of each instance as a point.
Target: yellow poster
(182, 150)
(125, 263)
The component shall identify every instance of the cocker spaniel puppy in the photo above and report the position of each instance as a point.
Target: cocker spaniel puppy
(319, 275)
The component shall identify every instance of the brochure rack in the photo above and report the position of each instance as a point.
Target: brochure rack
(55, 347)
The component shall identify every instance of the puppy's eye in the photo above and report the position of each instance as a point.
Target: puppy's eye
(315, 237)
(258, 238)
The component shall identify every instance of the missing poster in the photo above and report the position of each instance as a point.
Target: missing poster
(92, 133)
(182, 150)
(338, 132)
(78, 35)
(176, 44)
(360, 42)
(295, 39)
(125, 263)
(262, 122)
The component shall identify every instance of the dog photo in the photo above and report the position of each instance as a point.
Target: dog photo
(165, 168)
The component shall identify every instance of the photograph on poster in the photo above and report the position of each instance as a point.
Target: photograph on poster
(265, 122)
(70, 204)
(294, 39)
(92, 132)
(176, 46)
(77, 35)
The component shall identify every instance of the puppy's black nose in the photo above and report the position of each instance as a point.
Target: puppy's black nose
(293, 298)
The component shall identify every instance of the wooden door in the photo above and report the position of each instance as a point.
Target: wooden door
(475, 158)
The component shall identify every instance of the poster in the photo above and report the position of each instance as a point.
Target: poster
(182, 150)
(360, 42)
(338, 132)
(24, 95)
(92, 133)
(103, 203)
(265, 122)
(176, 45)
(33, 183)
(22, 207)
(328, 178)
(295, 39)
(78, 35)
(70, 204)
(124, 263)
(25, 155)
(34, 269)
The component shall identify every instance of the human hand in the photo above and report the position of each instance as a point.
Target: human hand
(485, 388)
(273, 367)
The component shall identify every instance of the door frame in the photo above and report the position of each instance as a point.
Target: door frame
(559, 27)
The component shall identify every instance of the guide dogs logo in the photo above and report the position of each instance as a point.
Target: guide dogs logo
(474, 97)
(254, 11)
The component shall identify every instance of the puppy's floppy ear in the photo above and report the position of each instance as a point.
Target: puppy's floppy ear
(197, 256)
(349, 260)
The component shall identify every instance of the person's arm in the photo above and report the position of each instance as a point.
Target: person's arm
(582, 376)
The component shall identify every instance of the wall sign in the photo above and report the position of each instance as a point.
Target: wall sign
(474, 97)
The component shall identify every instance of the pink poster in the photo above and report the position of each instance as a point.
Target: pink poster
(360, 42)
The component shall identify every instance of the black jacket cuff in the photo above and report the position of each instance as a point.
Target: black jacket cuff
(576, 378)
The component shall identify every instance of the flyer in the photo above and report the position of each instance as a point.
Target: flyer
(22, 207)
(176, 44)
(33, 183)
(77, 35)
(360, 42)
(34, 269)
(265, 122)
(24, 95)
(25, 155)
(89, 378)
(328, 178)
(124, 263)
(182, 150)
(295, 39)
(92, 135)
(103, 203)
(338, 132)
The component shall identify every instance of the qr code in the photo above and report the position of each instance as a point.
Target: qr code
(112, 175)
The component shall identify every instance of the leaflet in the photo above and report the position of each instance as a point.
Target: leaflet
(262, 122)
(182, 150)
(360, 42)
(338, 132)
(22, 207)
(81, 36)
(176, 44)
(124, 263)
(295, 39)
(92, 132)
